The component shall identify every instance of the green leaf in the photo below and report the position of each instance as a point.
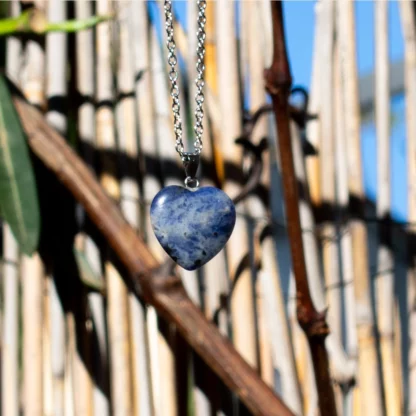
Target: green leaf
(71, 26)
(87, 274)
(18, 194)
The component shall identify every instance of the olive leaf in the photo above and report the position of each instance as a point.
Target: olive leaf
(19, 203)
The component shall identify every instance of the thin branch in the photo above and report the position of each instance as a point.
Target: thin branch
(278, 82)
(166, 293)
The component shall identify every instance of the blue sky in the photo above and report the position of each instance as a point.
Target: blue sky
(299, 25)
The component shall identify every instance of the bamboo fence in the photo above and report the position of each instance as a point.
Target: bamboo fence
(100, 349)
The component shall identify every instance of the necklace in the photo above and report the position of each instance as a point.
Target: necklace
(192, 224)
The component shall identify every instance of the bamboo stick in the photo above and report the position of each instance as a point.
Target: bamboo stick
(33, 84)
(117, 313)
(69, 394)
(267, 41)
(368, 375)
(150, 396)
(408, 20)
(56, 86)
(266, 367)
(228, 94)
(32, 279)
(10, 328)
(14, 48)
(327, 171)
(313, 127)
(86, 391)
(385, 262)
(251, 85)
(149, 399)
(101, 362)
(48, 379)
(126, 126)
(212, 91)
(33, 76)
(58, 347)
(75, 403)
(80, 366)
(82, 357)
(328, 234)
(86, 132)
(282, 352)
(342, 199)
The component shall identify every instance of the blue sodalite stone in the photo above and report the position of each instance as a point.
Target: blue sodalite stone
(192, 226)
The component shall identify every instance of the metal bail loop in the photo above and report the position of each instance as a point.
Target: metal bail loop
(190, 163)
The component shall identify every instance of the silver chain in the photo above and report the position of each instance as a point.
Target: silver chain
(199, 81)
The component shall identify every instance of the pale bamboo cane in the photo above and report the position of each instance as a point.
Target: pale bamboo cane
(242, 319)
(14, 48)
(86, 131)
(48, 378)
(251, 75)
(167, 404)
(69, 394)
(127, 133)
(75, 403)
(328, 234)
(56, 86)
(90, 397)
(341, 173)
(32, 283)
(117, 313)
(149, 400)
(274, 305)
(314, 126)
(408, 21)
(327, 171)
(385, 262)
(10, 330)
(369, 377)
(33, 85)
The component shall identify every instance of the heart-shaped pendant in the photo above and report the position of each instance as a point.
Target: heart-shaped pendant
(192, 226)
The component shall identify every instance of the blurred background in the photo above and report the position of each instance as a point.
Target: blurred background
(75, 339)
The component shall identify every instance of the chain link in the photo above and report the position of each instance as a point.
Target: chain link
(199, 81)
